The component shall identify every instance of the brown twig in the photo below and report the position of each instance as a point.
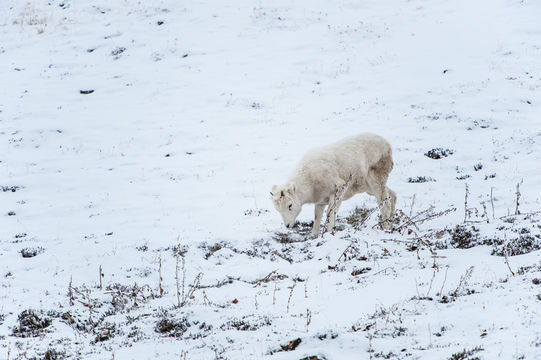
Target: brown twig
(416, 220)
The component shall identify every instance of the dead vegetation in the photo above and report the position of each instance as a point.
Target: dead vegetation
(439, 153)
(115, 311)
(246, 323)
(31, 323)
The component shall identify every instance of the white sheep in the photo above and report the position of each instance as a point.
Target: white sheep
(366, 158)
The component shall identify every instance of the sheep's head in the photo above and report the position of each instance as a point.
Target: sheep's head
(287, 203)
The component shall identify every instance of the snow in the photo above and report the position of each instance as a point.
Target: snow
(193, 120)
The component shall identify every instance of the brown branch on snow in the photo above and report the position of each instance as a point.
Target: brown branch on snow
(272, 276)
(416, 220)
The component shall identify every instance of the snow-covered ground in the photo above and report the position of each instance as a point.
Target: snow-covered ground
(139, 141)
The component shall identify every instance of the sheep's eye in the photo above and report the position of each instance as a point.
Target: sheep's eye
(290, 206)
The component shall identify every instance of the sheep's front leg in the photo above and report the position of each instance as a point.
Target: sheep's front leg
(332, 210)
(318, 214)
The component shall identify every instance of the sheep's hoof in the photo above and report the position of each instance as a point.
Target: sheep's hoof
(387, 226)
(315, 234)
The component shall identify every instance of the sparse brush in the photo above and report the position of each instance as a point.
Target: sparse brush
(172, 327)
(463, 280)
(31, 324)
(466, 354)
(123, 295)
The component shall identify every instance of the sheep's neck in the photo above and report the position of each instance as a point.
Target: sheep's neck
(302, 191)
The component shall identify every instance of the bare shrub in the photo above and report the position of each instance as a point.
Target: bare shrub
(31, 324)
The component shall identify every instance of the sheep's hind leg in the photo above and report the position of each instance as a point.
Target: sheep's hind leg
(386, 201)
(391, 209)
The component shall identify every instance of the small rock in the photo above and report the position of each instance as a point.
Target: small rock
(86, 92)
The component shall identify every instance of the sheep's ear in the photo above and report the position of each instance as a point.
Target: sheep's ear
(291, 189)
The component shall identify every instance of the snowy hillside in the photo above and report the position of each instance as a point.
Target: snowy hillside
(139, 141)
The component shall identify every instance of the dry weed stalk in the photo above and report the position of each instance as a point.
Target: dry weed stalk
(291, 294)
(87, 302)
(505, 254)
(274, 293)
(370, 349)
(308, 318)
(195, 285)
(444, 280)
(331, 209)
(70, 291)
(268, 278)
(177, 281)
(160, 278)
(492, 201)
(184, 297)
(466, 210)
(183, 355)
(463, 280)
(421, 217)
(349, 249)
(101, 276)
(517, 201)
(206, 300)
(435, 269)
